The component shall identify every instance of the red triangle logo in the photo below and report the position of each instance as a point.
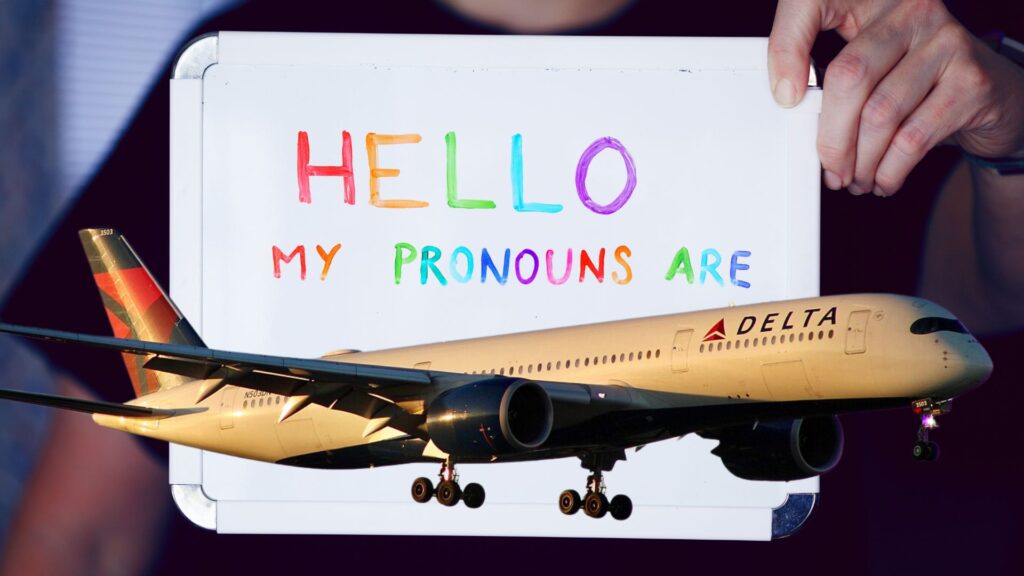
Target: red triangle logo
(717, 332)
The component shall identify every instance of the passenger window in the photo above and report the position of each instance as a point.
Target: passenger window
(701, 351)
(586, 361)
(801, 338)
(773, 340)
(830, 334)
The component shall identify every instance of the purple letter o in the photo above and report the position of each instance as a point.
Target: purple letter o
(584, 165)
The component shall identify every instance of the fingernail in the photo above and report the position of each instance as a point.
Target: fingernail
(833, 181)
(785, 93)
(854, 189)
(879, 192)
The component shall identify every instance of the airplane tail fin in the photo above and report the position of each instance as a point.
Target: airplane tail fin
(136, 305)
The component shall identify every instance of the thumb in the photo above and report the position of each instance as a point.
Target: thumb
(796, 25)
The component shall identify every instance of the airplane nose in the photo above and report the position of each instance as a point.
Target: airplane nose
(974, 361)
(979, 365)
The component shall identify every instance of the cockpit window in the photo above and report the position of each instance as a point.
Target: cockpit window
(936, 324)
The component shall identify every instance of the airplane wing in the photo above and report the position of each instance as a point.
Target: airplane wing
(94, 406)
(386, 395)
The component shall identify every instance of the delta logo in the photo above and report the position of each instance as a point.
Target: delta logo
(767, 323)
(717, 332)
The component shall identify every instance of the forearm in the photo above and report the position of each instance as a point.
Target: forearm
(974, 250)
(998, 230)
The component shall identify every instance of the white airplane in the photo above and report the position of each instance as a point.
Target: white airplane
(766, 380)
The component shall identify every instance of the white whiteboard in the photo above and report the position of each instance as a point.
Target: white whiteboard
(682, 145)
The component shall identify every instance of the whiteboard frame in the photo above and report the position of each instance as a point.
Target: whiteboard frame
(186, 225)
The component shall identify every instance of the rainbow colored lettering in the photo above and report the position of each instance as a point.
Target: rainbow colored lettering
(461, 264)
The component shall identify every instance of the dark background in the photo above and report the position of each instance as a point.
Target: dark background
(880, 512)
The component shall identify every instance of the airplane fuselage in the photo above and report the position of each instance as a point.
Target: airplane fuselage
(836, 352)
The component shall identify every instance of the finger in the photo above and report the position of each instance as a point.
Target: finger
(936, 118)
(796, 25)
(850, 78)
(891, 102)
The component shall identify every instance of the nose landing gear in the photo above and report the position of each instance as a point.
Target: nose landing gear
(595, 504)
(448, 491)
(929, 410)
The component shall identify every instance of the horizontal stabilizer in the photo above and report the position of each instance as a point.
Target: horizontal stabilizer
(359, 389)
(93, 406)
(293, 368)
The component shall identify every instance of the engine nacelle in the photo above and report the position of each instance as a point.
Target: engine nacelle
(498, 416)
(781, 450)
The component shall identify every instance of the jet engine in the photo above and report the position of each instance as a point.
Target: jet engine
(782, 449)
(499, 416)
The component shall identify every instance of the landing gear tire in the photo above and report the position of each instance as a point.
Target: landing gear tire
(926, 451)
(929, 410)
(595, 505)
(920, 452)
(448, 493)
(569, 502)
(422, 490)
(473, 495)
(621, 507)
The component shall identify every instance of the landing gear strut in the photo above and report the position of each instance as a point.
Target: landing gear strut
(595, 504)
(929, 410)
(448, 491)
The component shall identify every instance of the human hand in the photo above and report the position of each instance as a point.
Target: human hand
(910, 78)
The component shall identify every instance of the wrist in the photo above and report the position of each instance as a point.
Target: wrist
(1013, 162)
(1004, 166)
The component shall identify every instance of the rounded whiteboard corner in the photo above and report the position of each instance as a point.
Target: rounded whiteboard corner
(788, 518)
(196, 57)
(195, 505)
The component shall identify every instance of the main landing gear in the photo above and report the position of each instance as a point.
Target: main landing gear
(595, 504)
(448, 491)
(929, 410)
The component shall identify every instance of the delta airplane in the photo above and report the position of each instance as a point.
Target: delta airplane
(766, 380)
